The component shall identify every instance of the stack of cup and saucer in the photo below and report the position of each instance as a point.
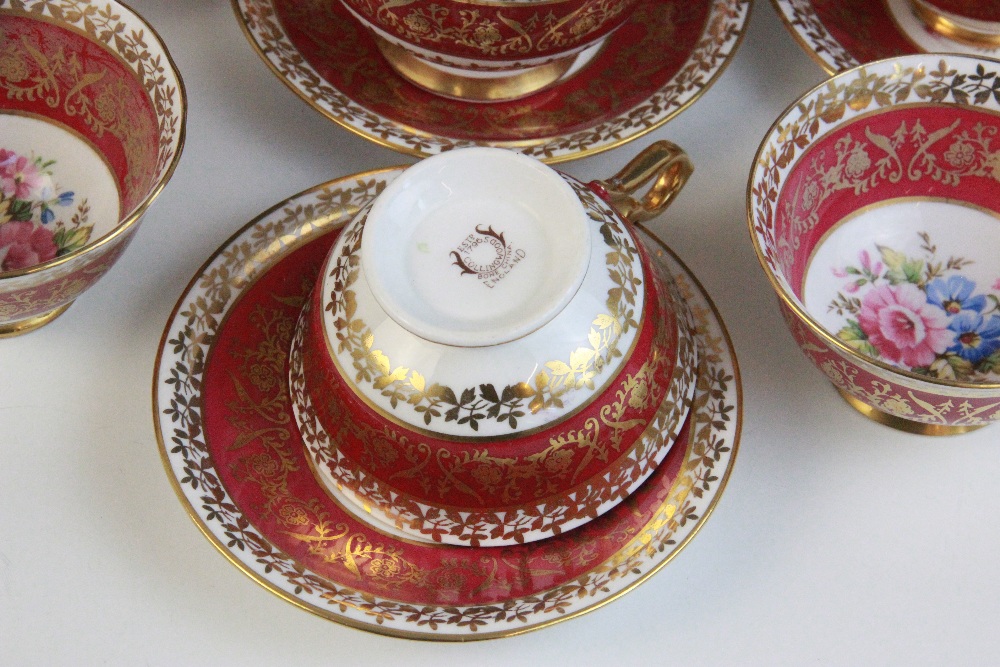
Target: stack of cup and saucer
(462, 399)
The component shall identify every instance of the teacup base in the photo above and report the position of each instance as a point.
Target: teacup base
(901, 424)
(472, 87)
(20, 327)
(966, 31)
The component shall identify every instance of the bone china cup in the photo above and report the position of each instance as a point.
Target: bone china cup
(874, 208)
(488, 356)
(91, 128)
(489, 50)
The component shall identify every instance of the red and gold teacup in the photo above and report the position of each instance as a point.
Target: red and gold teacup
(874, 207)
(489, 50)
(91, 128)
(489, 357)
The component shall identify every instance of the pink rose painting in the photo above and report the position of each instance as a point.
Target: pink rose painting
(920, 313)
(20, 178)
(902, 326)
(23, 245)
(31, 229)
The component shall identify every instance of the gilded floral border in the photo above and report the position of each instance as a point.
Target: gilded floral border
(370, 372)
(189, 336)
(546, 515)
(723, 33)
(483, 31)
(862, 381)
(801, 20)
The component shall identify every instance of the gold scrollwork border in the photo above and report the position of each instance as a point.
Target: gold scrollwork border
(863, 90)
(140, 49)
(723, 33)
(550, 514)
(805, 27)
(373, 374)
(188, 339)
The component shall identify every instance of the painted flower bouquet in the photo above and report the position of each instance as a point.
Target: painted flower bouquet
(31, 231)
(921, 314)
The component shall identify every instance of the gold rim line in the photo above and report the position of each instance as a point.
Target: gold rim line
(901, 424)
(793, 303)
(938, 21)
(79, 136)
(367, 626)
(135, 215)
(164, 453)
(686, 340)
(683, 408)
(830, 68)
(862, 210)
(683, 334)
(263, 52)
(628, 547)
(29, 324)
(379, 522)
(470, 88)
(274, 248)
(685, 467)
(893, 18)
(359, 511)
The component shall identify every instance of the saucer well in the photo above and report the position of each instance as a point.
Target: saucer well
(671, 50)
(841, 34)
(233, 454)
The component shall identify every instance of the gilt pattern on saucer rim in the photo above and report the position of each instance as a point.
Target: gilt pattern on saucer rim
(181, 404)
(842, 34)
(596, 110)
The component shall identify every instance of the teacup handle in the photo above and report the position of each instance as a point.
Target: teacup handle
(663, 162)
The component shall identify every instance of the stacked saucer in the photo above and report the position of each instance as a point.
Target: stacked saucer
(477, 369)
(249, 477)
(664, 57)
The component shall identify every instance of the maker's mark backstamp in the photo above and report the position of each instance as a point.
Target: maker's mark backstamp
(487, 255)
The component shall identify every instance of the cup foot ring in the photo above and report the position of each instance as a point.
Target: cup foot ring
(901, 424)
(457, 86)
(29, 324)
(938, 23)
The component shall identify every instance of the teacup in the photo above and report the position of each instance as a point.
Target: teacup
(489, 50)
(488, 356)
(92, 125)
(975, 22)
(874, 208)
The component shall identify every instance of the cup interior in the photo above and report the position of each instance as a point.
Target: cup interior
(88, 133)
(888, 236)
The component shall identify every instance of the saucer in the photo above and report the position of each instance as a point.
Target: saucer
(671, 50)
(233, 454)
(841, 34)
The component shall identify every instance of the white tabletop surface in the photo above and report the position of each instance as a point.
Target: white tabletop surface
(837, 542)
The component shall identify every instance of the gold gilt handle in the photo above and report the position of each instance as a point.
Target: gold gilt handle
(663, 163)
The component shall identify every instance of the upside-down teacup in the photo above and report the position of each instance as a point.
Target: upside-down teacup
(91, 127)
(488, 355)
(874, 208)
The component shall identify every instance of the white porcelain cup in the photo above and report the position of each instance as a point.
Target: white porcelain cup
(489, 356)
